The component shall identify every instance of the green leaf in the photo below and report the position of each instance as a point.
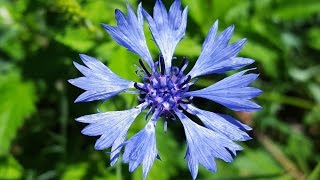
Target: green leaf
(256, 162)
(188, 47)
(197, 10)
(313, 116)
(270, 33)
(17, 102)
(104, 10)
(121, 61)
(11, 38)
(275, 123)
(314, 89)
(79, 38)
(75, 171)
(304, 74)
(314, 37)
(296, 11)
(10, 168)
(249, 164)
(300, 147)
(315, 174)
(266, 56)
(237, 12)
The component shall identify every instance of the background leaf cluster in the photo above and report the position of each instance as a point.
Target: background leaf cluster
(39, 39)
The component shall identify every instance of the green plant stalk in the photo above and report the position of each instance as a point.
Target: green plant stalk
(119, 170)
(63, 120)
(315, 174)
(278, 155)
(298, 102)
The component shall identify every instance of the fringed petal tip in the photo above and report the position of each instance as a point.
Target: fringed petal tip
(232, 92)
(167, 28)
(99, 82)
(112, 127)
(141, 149)
(217, 55)
(220, 123)
(204, 145)
(129, 32)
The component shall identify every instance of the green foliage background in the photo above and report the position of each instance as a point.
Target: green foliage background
(39, 39)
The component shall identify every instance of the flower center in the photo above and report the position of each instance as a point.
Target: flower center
(163, 92)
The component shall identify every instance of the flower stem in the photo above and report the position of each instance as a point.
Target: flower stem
(118, 170)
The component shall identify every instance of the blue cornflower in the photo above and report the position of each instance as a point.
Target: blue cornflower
(164, 91)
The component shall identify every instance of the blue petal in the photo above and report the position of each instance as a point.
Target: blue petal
(141, 149)
(167, 28)
(219, 124)
(233, 121)
(204, 145)
(193, 164)
(99, 81)
(116, 147)
(95, 95)
(129, 33)
(232, 92)
(217, 56)
(112, 126)
(239, 79)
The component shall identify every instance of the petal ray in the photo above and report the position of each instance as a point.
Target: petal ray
(219, 124)
(217, 56)
(112, 126)
(129, 33)
(99, 82)
(167, 29)
(204, 145)
(141, 149)
(232, 92)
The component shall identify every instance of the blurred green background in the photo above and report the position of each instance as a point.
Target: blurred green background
(39, 39)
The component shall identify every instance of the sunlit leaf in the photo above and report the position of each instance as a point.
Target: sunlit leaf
(315, 174)
(300, 147)
(77, 38)
(264, 55)
(188, 48)
(304, 74)
(17, 103)
(296, 11)
(10, 168)
(257, 162)
(75, 171)
(314, 37)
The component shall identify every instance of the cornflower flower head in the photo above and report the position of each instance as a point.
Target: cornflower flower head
(164, 91)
